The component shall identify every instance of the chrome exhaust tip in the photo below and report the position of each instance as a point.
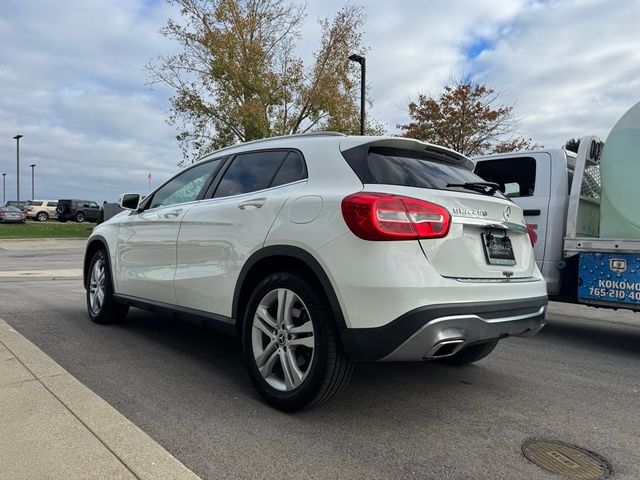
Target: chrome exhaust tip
(445, 348)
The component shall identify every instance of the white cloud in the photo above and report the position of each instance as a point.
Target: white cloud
(73, 83)
(571, 67)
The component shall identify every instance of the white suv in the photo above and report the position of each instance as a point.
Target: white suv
(323, 249)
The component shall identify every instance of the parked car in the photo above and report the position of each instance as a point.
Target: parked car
(319, 250)
(41, 210)
(77, 210)
(13, 203)
(12, 215)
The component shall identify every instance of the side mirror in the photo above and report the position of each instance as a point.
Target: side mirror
(129, 201)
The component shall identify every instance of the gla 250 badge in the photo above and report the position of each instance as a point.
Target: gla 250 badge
(470, 212)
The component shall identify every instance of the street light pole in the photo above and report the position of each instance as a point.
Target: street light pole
(17, 138)
(33, 196)
(363, 75)
(4, 188)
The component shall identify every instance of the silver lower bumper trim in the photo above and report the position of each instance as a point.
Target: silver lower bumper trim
(424, 344)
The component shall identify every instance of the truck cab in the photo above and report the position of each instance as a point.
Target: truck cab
(539, 181)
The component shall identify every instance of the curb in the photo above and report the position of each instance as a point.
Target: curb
(136, 450)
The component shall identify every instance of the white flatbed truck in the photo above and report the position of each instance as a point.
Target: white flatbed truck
(583, 213)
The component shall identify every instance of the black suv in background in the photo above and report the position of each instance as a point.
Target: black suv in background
(77, 210)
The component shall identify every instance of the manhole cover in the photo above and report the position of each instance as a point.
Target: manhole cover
(566, 460)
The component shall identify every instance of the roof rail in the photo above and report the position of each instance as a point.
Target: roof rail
(268, 139)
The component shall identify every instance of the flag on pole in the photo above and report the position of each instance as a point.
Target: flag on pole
(149, 180)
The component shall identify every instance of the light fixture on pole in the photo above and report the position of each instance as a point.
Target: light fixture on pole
(33, 166)
(4, 188)
(363, 73)
(17, 139)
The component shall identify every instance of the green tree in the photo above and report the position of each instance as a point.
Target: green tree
(572, 145)
(237, 77)
(467, 118)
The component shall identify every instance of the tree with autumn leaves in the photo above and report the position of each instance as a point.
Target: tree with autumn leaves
(466, 118)
(237, 77)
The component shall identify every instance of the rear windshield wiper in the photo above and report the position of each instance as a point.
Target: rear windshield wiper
(488, 188)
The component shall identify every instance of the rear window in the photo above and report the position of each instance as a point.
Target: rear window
(393, 166)
(516, 176)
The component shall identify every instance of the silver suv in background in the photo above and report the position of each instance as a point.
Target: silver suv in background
(41, 210)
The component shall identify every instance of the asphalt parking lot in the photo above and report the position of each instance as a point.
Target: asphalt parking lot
(578, 381)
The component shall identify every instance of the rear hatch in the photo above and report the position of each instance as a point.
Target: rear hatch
(487, 238)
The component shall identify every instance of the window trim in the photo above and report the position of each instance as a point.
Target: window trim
(145, 204)
(213, 187)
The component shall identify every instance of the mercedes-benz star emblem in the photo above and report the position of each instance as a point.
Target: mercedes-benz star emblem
(507, 213)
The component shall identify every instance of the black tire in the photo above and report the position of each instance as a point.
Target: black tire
(80, 217)
(109, 311)
(42, 216)
(471, 354)
(330, 368)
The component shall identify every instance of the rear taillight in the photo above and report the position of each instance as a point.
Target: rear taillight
(382, 216)
(1, 214)
(533, 235)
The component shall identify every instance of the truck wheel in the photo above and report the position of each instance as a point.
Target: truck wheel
(471, 354)
(100, 303)
(79, 217)
(42, 217)
(291, 346)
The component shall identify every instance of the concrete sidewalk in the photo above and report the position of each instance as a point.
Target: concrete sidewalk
(52, 426)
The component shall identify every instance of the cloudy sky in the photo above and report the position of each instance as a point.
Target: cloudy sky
(72, 77)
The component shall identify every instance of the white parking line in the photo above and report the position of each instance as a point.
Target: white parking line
(62, 272)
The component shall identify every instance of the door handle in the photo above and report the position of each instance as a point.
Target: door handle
(253, 204)
(173, 213)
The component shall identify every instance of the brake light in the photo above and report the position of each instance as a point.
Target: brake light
(533, 235)
(382, 216)
(29, 209)
(1, 214)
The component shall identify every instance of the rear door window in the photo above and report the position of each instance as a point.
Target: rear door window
(250, 172)
(516, 176)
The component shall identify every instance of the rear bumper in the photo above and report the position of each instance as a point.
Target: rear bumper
(429, 332)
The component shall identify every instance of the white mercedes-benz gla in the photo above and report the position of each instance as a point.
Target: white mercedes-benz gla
(320, 250)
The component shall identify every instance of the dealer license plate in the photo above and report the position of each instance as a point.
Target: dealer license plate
(498, 249)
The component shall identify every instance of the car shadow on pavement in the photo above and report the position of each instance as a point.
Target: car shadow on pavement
(221, 365)
(606, 337)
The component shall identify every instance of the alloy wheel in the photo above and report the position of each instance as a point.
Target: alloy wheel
(97, 288)
(282, 339)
